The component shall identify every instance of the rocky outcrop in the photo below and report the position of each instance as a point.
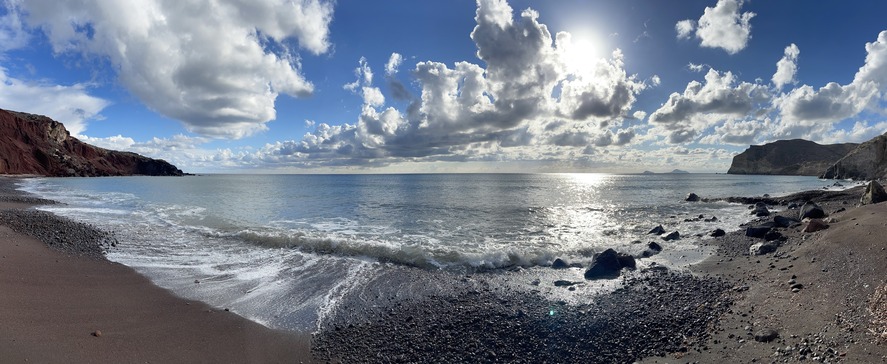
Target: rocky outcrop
(866, 162)
(789, 157)
(38, 145)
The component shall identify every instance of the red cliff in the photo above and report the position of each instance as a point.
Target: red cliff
(35, 144)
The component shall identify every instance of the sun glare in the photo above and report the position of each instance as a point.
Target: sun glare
(581, 52)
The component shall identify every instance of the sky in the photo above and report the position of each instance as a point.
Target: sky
(403, 86)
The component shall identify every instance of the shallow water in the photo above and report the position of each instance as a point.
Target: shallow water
(284, 249)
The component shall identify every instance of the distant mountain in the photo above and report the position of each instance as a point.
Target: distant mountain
(796, 157)
(865, 162)
(678, 171)
(35, 144)
(648, 172)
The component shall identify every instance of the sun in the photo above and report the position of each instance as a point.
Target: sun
(580, 51)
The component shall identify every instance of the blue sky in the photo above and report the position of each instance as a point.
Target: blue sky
(311, 86)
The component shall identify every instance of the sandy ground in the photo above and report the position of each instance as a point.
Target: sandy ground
(58, 308)
(838, 315)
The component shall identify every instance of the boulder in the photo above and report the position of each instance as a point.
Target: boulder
(674, 235)
(874, 193)
(608, 264)
(659, 230)
(652, 249)
(760, 210)
(766, 335)
(718, 233)
(773, 235)
(785, 222)
(815, 225)
(692, 197)
(810, 210)
(757, 231)
(559, 264)
(762, 248)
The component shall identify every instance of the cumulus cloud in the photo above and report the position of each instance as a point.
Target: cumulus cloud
(219, 76)
(70, 104)
(787, 67)
(393, 63)
(722, 26)
(702, 105)
(13, 34)
(524, 103)
(806, 111)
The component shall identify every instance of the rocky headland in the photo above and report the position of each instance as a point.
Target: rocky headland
(866, 162)
(789, 157)
(37, 145)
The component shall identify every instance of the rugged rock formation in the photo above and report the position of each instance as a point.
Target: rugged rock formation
(868, 161)
(789, 157)
(34, 144)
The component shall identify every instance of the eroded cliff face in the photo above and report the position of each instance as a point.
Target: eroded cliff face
(796, 157)
(868, 161)
(35, 144)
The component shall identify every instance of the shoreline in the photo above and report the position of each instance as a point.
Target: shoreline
(63, 301)
(707, 312)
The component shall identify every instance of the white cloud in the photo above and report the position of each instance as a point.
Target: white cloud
(685, 28)
(216, 67)
(393, 63)
(13, 34)
(787, 67)
(809, 113)
(721, 98)
(720, 27)
(72, 105)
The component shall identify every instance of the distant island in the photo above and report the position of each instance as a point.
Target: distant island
(674, 171)
(37, 145)
(798, 157)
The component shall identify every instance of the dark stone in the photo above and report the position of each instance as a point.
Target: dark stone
(692, 197)
(760, 210)
(659, 230)
(654, 246)
(718, 233)
(674, 235)
(757, 231)
(811, 210)
(563, 283)
(815, 225)
(785, 222)
(773, 235)
(559, 264)
(608, 263)
(766, 335)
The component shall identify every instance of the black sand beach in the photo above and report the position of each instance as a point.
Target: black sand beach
(68, 303)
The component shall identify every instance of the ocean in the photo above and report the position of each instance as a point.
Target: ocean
(285, 250)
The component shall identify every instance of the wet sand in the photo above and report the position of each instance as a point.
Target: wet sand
(63, 306)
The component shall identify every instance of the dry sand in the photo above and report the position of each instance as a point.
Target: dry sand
(840, 313)
(57, 308)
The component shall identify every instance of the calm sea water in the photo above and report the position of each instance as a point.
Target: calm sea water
(283, 249)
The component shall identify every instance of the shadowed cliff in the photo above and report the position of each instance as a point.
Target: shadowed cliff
(35, 144)
(789, 157)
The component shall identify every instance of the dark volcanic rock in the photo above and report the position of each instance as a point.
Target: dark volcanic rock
(760, 210)
(867, 161)
(692, 197)
(762, 248)
(33, 144)
(757, 231)
(766, 335)
(674, 235)
(785, 222)
(874, 193)
(811, 210)
(658, 230)
(718, 233)
(789, 157)
(815, 225)
(559, 264)
(608, 263)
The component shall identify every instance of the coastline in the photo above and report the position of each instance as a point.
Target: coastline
(63, 302)
(708, 312)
